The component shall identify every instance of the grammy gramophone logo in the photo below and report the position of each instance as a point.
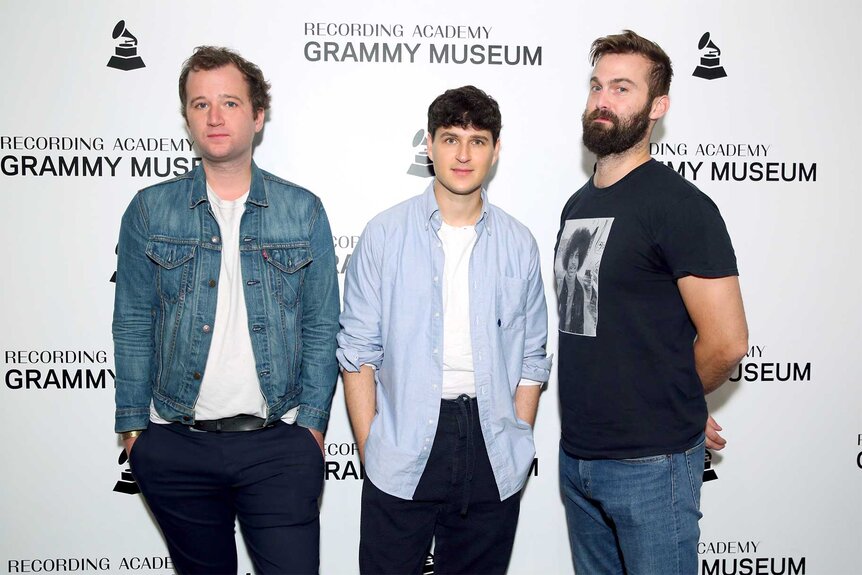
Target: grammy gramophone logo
(708, 472)
(710, 67)
(113, 279)
(126, 50)
(422, 165)
(126, 484)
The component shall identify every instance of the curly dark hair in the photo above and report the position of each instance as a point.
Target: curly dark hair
(465, 106)
(579, 243)
(213, 57)
(630, 43)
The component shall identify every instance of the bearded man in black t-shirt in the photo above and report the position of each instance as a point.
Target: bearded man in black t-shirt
(640, 348)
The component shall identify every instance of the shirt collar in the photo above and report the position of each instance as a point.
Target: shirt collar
(431, 211)
(256, 194)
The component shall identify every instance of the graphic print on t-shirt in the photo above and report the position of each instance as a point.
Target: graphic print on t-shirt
(579, 255)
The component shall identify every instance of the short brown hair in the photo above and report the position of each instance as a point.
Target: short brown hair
(630, 43)
(213, 57)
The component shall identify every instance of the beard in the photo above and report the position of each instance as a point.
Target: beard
(619, 137)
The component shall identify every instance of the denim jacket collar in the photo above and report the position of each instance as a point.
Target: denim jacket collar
(256, 194)
(431, 211)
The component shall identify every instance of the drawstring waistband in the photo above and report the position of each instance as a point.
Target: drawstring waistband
(465, 432)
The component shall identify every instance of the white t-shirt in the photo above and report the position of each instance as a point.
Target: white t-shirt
(458, 377)
(230, 385)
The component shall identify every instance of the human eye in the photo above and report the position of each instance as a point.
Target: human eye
(231, 104)
(450, 140)
(478, 142)
(199, 105)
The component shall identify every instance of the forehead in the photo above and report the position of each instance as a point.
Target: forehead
(225, 80)
(633, 67)
(468, 132)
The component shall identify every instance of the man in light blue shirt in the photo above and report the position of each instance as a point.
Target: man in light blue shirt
(442, 348)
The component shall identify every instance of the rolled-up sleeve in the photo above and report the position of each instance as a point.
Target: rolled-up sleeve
(537, 363)
(360, 339)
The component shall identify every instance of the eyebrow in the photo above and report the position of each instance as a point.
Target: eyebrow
(222, 96)
(614, 81)
(471, 136)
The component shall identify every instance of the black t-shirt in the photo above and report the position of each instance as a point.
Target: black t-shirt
(628, 384)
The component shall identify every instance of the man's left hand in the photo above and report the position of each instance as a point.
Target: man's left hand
(714, 441)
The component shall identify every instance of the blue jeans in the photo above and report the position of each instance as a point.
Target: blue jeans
(634, 516)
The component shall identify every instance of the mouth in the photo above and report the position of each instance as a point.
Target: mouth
(462, 171)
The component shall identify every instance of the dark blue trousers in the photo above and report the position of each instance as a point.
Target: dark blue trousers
(457, 504)
(198, 483)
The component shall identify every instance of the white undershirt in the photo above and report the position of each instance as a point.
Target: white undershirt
(458, 377)
(230, 385)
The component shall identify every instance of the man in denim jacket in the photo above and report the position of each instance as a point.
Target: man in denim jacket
(224, 329)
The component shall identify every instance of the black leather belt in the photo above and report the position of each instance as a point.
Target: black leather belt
(229, 424)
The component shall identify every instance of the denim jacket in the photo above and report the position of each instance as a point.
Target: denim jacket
(168, 266)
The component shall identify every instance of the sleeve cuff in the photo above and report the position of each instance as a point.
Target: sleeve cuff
(529, 382)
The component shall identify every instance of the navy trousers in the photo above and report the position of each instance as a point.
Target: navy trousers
(457, 504)
(198, 483)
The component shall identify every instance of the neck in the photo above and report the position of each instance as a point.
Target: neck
(613, 168)
(457, 209)
(229, 182)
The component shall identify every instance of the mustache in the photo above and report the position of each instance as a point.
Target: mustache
(603, 115)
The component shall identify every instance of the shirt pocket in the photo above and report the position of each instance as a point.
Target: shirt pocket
(285, 272)
(511, 303)
(174, 267)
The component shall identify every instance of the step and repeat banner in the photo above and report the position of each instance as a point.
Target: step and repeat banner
(765, 119)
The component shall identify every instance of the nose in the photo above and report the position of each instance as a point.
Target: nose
(597, 100)
(463, 154)
(214, 117)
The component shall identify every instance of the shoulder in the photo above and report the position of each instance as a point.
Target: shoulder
(507, 222)
(398, 216)
(573, 199)
(168, 187)
(391, 227)
(282, 189)
(507, 226)
(666, 184)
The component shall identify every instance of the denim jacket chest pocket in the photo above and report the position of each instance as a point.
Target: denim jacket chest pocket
(174, 269)
(285, 271)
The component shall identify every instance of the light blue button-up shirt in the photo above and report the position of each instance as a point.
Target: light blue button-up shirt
(393, 321)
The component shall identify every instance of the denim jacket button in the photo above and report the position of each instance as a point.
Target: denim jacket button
(214, 239)
(212, 283)
(206, 328)
(197, 375)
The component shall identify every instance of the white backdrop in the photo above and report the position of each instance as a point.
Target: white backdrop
(773, 143)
